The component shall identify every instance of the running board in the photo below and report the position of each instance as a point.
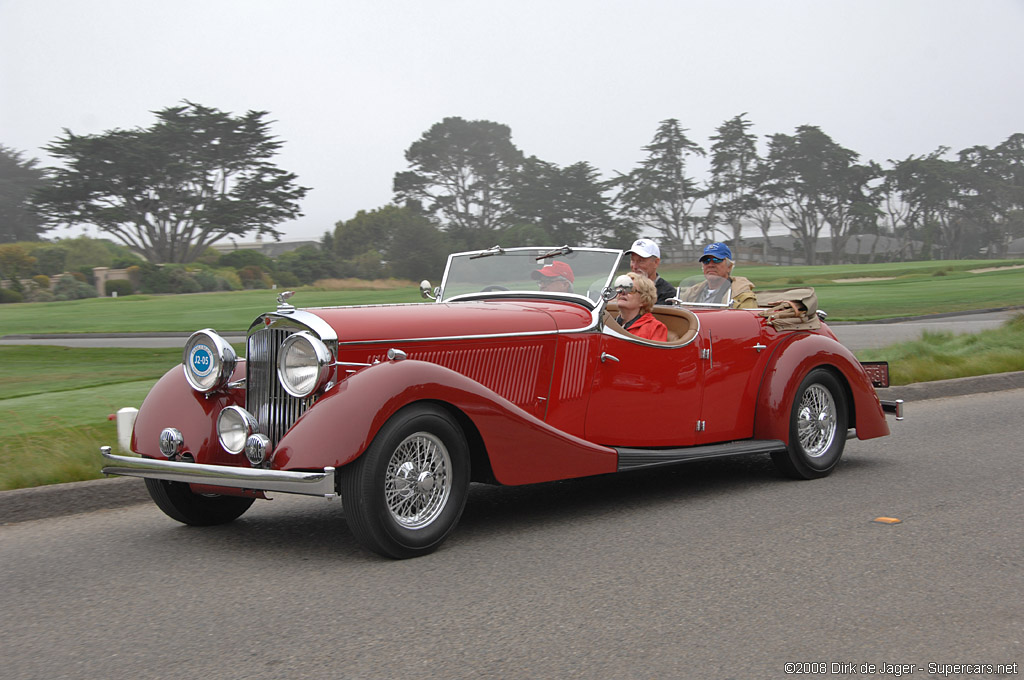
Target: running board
(631, 459)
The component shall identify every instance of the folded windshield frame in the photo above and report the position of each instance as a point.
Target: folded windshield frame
(513, 272)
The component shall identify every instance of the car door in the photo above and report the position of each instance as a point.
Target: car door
(644, 395)
(735, 354)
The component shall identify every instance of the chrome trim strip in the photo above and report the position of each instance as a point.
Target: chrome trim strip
(593, 324)
(441, 338)
(284, 481)
(301, 318)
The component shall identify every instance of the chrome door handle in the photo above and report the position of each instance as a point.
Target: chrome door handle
(759, 347)
(608, 357)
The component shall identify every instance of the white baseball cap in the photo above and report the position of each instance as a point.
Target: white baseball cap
(645, 247)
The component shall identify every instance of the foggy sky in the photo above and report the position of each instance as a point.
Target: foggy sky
(351, 84)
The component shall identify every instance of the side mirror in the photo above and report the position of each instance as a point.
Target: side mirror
(621, 284)
(425, 290)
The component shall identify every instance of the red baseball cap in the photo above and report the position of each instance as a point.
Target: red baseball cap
(556, 268)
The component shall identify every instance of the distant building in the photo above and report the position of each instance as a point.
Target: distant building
(268, 248)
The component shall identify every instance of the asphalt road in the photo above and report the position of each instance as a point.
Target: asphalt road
(719, 569)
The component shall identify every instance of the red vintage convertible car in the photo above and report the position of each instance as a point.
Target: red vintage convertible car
(397, 408)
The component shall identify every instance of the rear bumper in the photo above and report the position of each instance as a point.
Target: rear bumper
(283, 481)
(894, 406)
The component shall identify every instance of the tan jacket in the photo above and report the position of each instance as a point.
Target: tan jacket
(743, 294)
(742, 291)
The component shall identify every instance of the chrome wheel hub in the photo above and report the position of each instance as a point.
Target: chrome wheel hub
(816, 421)
(417, 482)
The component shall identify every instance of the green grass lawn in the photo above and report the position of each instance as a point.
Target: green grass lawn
(944, 355)
(909, 288)
(32, 369)
(226, 311)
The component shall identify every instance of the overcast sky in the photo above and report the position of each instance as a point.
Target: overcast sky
(350, 84)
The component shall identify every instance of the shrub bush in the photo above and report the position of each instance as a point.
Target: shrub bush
(287, 279)
(68, 287)
(253, 277)
(206, 279)
(227, 279)
(180, 281)
(40, 295)
(121, 287)
(7, 295)
(246, 258)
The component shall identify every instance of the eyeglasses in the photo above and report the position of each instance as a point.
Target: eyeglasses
(715, 260)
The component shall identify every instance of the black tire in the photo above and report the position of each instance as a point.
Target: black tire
(178, 502)
(405, 494)
(817, 428)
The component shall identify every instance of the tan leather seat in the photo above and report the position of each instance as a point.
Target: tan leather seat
(680, 323)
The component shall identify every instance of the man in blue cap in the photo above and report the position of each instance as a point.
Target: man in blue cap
(719, 285)
(644, 258)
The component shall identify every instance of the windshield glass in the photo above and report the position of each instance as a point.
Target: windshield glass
(565, 271)
(701, 291)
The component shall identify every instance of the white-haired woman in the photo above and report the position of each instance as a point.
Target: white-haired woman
(635, 303)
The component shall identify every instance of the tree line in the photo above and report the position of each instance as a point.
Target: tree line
(199, 175)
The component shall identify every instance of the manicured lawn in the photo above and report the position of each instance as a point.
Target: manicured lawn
(230, 311)
(32, 369)
(907, 289)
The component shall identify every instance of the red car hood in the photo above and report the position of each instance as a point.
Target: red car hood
(455, 319)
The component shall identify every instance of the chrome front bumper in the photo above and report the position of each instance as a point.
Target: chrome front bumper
(284, 481)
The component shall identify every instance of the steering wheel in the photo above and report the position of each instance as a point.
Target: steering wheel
(491, 289)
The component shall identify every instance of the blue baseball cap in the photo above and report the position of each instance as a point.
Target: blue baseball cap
(719, 250)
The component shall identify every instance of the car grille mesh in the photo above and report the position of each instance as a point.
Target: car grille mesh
(275, 410)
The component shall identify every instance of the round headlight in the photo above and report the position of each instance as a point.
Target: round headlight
(234, 425)
(304, 364)
(209, 361)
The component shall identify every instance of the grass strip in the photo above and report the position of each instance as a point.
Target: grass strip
(944, 355)
(906, 289)
(50, 440)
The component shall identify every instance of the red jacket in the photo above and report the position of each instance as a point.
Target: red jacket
(649, 327)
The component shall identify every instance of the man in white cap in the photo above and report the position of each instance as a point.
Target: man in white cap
(644, 258)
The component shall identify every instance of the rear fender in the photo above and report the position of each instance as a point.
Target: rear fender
(522, 449)
(791, 362)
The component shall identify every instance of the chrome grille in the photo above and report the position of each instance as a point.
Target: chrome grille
(275, 410)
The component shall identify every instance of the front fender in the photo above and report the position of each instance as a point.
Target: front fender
(173, 403)
(791, 362)
(522, 448)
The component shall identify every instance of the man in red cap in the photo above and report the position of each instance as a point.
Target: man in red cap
(556, 277)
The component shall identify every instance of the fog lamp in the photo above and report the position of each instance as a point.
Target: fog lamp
(234, 425)
(171, 442)
(256, 448)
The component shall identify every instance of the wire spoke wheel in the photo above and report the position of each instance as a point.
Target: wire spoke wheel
(418, 480)
(405, 494)
(816, 421)
(817, 427)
